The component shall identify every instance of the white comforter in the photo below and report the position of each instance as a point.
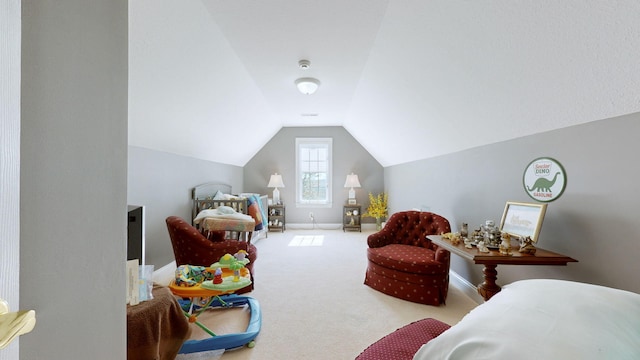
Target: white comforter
(545, 319)
(222, 212)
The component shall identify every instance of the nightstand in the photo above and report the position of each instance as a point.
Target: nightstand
(277, 220)
(351, 215)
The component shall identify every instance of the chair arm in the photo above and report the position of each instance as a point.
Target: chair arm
(379, 239)
(443, 255)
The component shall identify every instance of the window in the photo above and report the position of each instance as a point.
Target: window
(313, 172)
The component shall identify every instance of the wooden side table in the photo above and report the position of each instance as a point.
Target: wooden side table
(493, 258)
(351, 215)
(277, 221)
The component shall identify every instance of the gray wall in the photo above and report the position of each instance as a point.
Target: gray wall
(162, 183)
(279, 155)
(10, 163)
(74, 178)
(595, 221)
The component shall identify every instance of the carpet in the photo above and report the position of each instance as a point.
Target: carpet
(309, 284)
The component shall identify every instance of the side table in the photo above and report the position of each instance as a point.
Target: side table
(493, 258)
(277, 221)
(351, 216)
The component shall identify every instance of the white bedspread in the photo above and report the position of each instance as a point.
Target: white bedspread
(222, 212)
(545, 319)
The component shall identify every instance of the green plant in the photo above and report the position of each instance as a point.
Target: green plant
(377, 206)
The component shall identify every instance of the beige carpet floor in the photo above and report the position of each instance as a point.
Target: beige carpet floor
(309, 284)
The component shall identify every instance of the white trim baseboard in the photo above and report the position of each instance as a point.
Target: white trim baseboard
(326, 226)
(465, 286)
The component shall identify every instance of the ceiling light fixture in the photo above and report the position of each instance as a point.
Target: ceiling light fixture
(307, 85)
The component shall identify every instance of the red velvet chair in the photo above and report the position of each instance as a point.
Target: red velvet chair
(190, 247)
(403, 263)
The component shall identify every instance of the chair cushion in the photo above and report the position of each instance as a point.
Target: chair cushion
(403, 343)
(407, 258)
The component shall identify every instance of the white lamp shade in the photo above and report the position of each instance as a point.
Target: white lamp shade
(352, 181)
(276, 181)
(307, 86)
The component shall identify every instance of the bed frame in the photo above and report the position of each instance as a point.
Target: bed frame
(203, 194)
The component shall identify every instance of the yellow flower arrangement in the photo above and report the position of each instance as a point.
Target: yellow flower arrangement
(377, 206)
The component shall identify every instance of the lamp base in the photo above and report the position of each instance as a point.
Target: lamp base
(352, 197)
(276, 197)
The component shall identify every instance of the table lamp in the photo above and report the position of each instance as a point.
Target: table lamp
(352, 181)
(276, 182)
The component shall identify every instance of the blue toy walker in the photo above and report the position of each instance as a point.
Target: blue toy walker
(203, 295)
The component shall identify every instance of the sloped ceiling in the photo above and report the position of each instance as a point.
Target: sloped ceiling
(409, 79)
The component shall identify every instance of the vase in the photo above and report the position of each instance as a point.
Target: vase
(378, 223)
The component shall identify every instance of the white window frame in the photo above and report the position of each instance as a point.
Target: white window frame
(307, 142)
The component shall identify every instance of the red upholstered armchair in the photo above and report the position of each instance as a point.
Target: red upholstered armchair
(403, 263)
(190, 247)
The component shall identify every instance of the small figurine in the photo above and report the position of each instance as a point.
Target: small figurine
(467, 243)
(527, 246)
(240, 255)
(464, 230)
(217, 277)
(453, 237)
(505, 245)
(482, 247)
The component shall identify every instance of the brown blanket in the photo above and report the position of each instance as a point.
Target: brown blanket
(156, 328)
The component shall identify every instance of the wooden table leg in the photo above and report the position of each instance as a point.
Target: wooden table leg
(489, 287)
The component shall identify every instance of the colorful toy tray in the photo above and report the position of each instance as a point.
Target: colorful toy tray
(199, 291)
(228, 341)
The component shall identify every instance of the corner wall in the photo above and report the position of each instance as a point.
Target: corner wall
(595, 221)
(279, 155)
(73, 178)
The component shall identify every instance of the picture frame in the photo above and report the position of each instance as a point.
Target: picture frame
(523, 219)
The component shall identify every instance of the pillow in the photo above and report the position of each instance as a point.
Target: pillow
(219, 196)
(545, 319)
(225, 210)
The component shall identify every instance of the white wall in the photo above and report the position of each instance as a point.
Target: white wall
(595, 220)
(73, 178)
(10, 161)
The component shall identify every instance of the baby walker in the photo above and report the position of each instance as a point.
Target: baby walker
(205, 288)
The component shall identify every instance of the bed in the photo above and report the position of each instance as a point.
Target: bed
(212, 196)
(530, 319)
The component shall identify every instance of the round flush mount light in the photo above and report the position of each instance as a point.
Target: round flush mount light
(307, 85)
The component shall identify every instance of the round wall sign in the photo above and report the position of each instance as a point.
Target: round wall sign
(544, 179)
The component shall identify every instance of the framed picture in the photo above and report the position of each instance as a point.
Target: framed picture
(523, 219)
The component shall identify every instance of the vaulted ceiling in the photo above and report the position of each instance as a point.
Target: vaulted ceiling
(409, 79)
